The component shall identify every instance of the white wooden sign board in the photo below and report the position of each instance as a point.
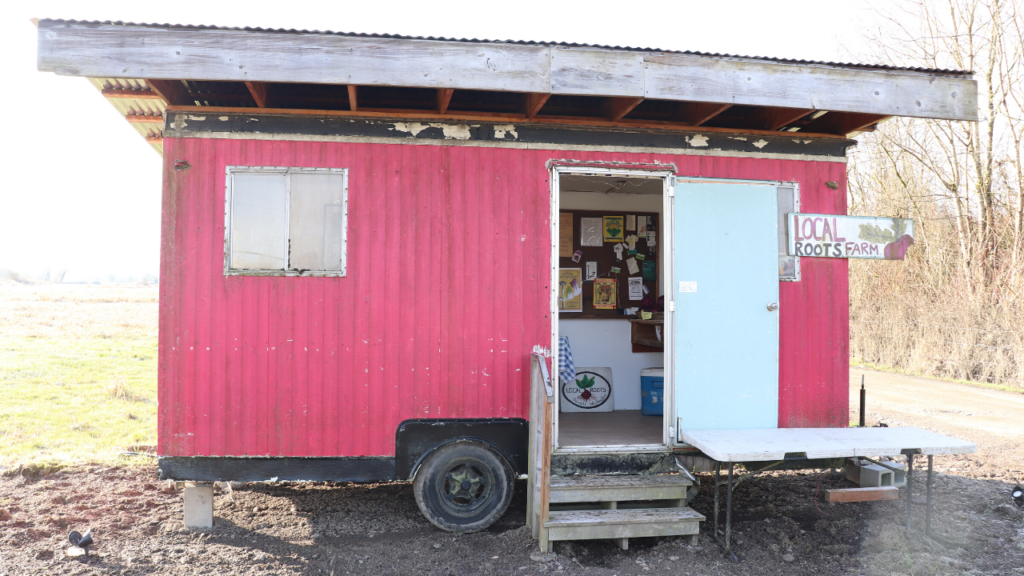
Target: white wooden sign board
(591, 391)
(831, 236)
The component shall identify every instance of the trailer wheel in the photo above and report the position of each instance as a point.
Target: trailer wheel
(463, 487)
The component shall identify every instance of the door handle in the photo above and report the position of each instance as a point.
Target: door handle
(773, 306)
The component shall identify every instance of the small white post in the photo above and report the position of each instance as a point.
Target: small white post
(198, 505)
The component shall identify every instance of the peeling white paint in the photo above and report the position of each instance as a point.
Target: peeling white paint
(413, 128)
(502, 129)
(197, 118)
(450, 131)
(223, 118)
(697, 141)
(179, 122)
(454, 131)
(760, 143)
(737, 138)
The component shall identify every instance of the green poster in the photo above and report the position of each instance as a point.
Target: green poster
(650, 271)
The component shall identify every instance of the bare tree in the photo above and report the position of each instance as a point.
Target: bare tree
(968, 160)
(956, 306)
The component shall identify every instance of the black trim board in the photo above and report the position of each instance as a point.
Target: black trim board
(416, 439)
(191, 124)
(263, 469)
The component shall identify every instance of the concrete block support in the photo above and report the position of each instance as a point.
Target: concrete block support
(899, 476)
(198, 505)
(869, 475)
(875, 476)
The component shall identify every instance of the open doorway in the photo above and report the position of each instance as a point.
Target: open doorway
(611, 315)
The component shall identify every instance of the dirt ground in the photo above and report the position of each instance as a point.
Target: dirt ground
(782, 525)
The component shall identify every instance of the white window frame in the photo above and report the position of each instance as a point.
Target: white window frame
(784, 228)
(230, 171)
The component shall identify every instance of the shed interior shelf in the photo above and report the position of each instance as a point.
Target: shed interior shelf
(643, 335)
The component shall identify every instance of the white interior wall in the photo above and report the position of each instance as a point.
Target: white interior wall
(617, 202)
(599, 343)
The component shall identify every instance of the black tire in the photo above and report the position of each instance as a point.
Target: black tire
(463, 487)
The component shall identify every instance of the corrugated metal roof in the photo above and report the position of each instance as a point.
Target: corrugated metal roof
(146, 115)
(519, 42)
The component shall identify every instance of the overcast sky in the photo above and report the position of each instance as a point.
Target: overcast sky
(82, 188)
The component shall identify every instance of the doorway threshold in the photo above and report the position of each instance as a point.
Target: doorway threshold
(613, 449)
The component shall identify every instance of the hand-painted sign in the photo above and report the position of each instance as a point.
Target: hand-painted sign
(830, 236)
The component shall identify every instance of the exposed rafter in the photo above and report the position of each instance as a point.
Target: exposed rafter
(444, 97)
(172, 91)
(145, 119)
(617, 108)
(353, 98)
(534, 102)
(697, 113)
(843, 123)
(141, 94)
(777, 118)
(260, 93)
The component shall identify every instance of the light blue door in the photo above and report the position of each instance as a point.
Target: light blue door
(725, 286)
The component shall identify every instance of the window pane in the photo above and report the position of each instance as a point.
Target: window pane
(258, 209)
(317, 221)
(787, 203)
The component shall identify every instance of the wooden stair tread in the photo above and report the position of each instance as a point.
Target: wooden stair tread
(617, 481)
(578, 518)
(617, 488)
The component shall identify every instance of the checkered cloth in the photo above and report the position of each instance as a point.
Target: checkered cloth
(566, 367)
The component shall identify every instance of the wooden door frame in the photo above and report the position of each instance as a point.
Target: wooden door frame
(667, 175)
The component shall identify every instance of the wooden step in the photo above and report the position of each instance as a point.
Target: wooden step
(621, 524)
(622, 488)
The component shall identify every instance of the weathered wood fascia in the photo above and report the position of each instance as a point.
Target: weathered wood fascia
(108, 51)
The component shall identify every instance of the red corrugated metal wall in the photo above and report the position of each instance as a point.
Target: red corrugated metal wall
(446, 293)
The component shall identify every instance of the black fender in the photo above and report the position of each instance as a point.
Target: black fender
(415, 440)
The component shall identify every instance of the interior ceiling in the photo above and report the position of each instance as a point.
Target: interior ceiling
(610, 185)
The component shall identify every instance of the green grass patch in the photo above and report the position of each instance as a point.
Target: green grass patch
(76, 400)
(892, 370)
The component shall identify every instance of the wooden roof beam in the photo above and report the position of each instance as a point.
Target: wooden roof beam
(776, 118)
(172, 91)
(140, 94)
(697, 113)
(534, 102)
(353, 98)
(444, 97)
(117, 50)
(260, 92)
(617, 108)
(145, 118)
(843, 123)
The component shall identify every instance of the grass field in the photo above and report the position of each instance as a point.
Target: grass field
(77, 372)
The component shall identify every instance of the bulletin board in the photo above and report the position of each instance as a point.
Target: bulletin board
(605, 257)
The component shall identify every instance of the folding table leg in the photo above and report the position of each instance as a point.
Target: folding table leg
(718, 473)
(728, 508)
(910, 485)
(928, 509)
